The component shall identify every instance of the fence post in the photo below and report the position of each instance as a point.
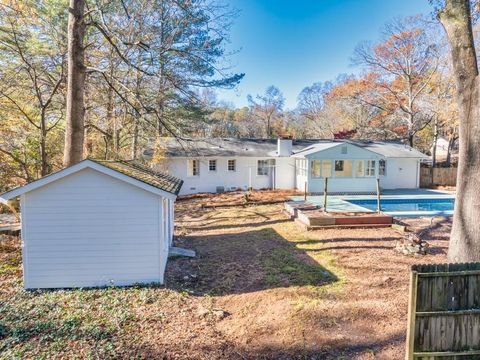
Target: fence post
(379, 208)
(325, 190)
(305, 191)
(412, 308)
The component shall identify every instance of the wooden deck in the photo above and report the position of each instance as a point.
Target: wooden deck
(312, 218)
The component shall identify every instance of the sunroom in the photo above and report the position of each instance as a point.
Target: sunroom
(351, 169)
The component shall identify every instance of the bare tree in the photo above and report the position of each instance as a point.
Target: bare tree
(32, 80)
(268, 107)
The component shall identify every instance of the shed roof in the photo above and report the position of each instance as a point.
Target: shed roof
(134, 173)
(142, 173)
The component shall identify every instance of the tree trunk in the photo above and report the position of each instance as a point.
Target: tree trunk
(435, 141)
(74, 134)
(451, 143)
(465, 236)
(43, 144)
(135, 141)
(410, 139)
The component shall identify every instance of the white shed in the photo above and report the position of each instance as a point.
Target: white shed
(96, 223)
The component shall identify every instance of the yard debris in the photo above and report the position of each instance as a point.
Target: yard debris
(412, 244)
(238, 198)
(178, 251)
(217, 314)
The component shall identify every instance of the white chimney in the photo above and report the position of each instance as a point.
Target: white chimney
(284, 147)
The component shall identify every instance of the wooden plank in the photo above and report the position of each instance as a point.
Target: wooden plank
(178, 251)
(10, 227)
(452, 273)
(399, 228)
(412, 307)
(446, 353)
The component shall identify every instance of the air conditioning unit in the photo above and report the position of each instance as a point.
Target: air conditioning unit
(220, 189)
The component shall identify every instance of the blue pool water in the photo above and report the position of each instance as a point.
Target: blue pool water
(408, 205)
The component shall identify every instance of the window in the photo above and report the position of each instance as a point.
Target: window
(344, 149)
(359, 168)
(326, 168)
(370, 168)
(315, 165)
(300, 167)
(231, 165)
(382, 167)
(262, 167)
(343, 168)
(193, 167)
(212, 165)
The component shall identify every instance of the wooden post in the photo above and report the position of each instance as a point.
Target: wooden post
(412, 308)
(325, 190)
(305, 191)
(379, 208)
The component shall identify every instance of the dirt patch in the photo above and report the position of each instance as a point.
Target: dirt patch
(357, 311)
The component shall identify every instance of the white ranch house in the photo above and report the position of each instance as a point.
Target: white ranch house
(216, 165)
(96, 223)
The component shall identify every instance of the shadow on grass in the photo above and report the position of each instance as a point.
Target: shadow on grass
(209, 227)
(244, 262)
(335, 349)
(344, 240)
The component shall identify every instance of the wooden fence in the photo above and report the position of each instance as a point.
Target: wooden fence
(437, 176)
(444, 312)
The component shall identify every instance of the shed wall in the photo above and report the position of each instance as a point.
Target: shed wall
(89, 229)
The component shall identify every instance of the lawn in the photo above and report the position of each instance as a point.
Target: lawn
(259, 288)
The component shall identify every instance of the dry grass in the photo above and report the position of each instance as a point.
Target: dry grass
(283, 293)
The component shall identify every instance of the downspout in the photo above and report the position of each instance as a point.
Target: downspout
(417, 178)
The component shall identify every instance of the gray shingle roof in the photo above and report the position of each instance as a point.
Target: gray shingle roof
(268, 147)
(224, 147)
(142, 173)
(384, 148)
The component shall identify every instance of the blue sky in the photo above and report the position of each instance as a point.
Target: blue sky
(294, 43)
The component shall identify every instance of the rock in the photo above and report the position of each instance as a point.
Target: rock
(220, 314)
(202, 312)
(386, 279)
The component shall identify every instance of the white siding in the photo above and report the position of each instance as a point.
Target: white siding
(89, 229)
(284, 173)
(400, 172)
(290, 173)
(301, 170)
(244, 176)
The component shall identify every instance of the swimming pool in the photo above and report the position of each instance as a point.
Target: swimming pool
(408, 206)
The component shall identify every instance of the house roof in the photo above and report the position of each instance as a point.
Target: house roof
(268, 147)
(387, 149)
(223, 147)
(134, 173)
